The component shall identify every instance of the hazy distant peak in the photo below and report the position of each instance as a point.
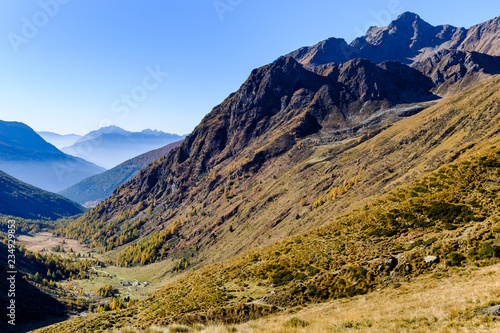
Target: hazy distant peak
(20, 135)
(149, 131)
(112, 145)
(41, 133)
(113, 130)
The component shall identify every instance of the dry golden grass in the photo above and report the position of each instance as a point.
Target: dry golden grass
(424, 305)
(45, 242)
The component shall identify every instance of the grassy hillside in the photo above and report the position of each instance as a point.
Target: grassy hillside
(29, 202)
(101, 186)
(427, 223)
(437, 303)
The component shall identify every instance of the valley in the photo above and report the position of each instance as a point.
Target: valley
(333, 191)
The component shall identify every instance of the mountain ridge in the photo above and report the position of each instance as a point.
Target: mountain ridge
(279, 107)
(381, 244)
(26, 156)
(23, 200)
(59, 140)
(408, 39)
(112, 145)
(92, 190)
(326, 93)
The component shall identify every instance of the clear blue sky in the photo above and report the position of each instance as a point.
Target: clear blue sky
(69, 74)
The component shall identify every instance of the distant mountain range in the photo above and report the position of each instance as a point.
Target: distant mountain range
(23, 200)
(59, 140)
(27, 156)
(112, 145)
(94, 189)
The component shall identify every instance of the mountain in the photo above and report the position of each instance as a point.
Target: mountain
(278, 104)
(281, 108)
(26, 156)
(58, 140)
(94, 189)
(423, 197)
(26, 201)
(110, 146)
(314, 182)
(406, 40)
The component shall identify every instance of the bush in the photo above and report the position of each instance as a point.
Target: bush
(488, 250)
(454, 259)
(311, 270)
(449, 213)
(296, 322)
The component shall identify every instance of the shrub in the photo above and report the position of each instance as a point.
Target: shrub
(454, 259)
(488, 250)
(449, 213)
(296, 322)
(311, 270)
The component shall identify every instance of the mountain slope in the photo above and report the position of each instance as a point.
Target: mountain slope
(110, 146)
(362, 151)
(435, 223)
(406, 40)
(483, 38)
(277, 106)
(26, 156)
(257, 162)
(26, 201)
(99, 187)
(31, 304)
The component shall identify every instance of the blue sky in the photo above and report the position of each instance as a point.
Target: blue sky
(68, 65)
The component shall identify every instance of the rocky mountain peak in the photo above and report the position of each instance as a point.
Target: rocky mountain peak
(409, 19)
(408, 39)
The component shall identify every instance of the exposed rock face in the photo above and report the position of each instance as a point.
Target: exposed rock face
(408, 39)
(330, 50)
(483, 38)
(450, 66)
(400, 41)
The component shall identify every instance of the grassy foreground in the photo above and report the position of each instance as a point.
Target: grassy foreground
(430, 304)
